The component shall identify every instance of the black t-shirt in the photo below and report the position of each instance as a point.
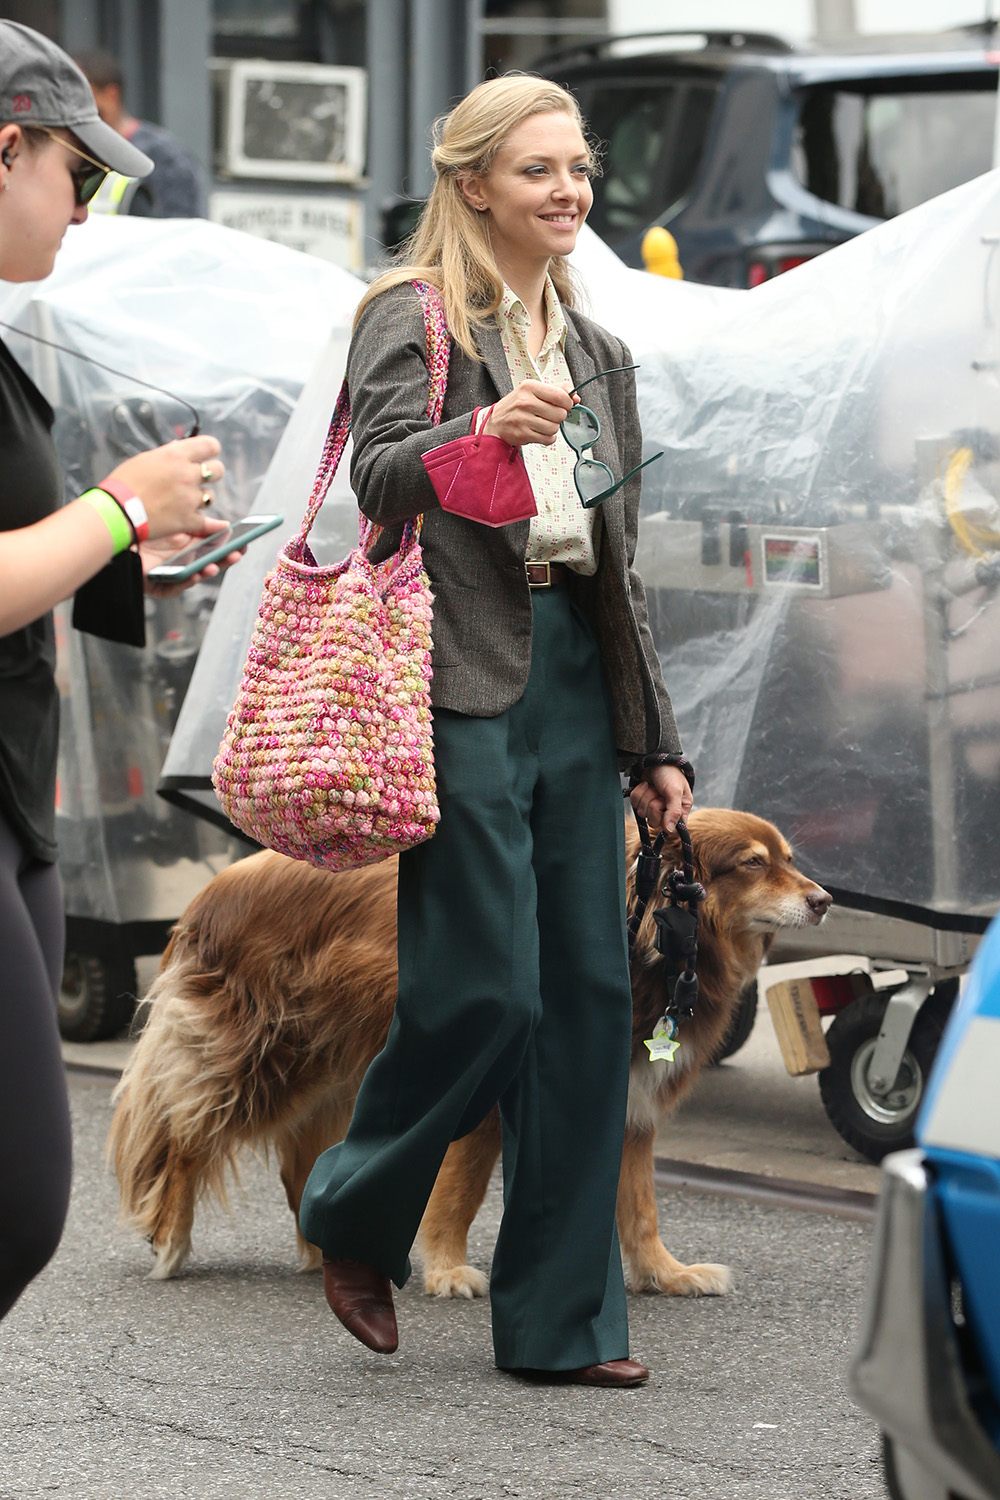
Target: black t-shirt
(31, 487)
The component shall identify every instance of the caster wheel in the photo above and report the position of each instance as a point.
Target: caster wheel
(97, 999)
(877, 1124)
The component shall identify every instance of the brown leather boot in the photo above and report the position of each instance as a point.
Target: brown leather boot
(619, 1373)
(361, 1297)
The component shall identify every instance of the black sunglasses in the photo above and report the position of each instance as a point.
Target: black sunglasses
(581, 428)
(87, 180)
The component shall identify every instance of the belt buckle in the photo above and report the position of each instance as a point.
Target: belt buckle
(540, 583)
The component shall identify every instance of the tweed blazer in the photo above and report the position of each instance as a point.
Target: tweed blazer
(482, 603)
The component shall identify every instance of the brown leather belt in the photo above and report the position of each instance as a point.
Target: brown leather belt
(547, 575)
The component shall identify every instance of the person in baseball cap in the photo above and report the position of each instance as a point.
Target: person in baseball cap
(42, 88)
(55, 152)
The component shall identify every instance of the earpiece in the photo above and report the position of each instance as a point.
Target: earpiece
(5, 156)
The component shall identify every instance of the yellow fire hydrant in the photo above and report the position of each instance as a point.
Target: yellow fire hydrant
(659, 253)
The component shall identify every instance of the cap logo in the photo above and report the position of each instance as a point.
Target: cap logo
(22, 104)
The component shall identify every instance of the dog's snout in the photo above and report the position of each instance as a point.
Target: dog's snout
(819, 901)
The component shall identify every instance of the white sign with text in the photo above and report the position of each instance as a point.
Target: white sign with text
(318, 224)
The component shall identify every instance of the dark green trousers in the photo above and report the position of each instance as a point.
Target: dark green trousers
(513, 988)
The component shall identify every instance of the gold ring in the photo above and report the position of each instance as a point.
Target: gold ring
(206, 474)
(206, 499)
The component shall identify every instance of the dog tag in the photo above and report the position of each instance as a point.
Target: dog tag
(664, 1041)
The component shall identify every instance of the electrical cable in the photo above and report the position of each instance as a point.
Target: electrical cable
(122, 374)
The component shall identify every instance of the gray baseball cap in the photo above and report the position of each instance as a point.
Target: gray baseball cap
(41, 85)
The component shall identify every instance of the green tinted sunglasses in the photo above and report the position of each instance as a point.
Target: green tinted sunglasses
(581, 428)
(87, 180)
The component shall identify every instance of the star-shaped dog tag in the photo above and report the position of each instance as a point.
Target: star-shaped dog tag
(662, 1045)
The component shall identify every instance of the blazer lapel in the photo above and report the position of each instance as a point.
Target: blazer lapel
(581, 366)
(487, 336)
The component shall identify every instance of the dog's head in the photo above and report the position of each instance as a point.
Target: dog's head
(750, 874)
(753, 890)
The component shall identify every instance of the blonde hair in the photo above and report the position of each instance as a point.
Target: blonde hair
(450, 247)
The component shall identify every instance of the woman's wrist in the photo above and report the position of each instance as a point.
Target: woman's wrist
(118, 525)
(130, 504)
(661, 758)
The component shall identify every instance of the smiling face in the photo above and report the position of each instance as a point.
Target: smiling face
(536, 193)
(37, 206)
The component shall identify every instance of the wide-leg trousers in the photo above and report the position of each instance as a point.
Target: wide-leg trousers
(513, 989)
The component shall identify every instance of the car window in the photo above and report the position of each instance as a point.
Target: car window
(881, 152)
(653, 137)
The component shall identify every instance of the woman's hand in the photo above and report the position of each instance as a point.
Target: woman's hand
(151, 553)
(172, 482)
(531, 413)
(662, 796)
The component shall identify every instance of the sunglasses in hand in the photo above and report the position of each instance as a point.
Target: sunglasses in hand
(581, 428)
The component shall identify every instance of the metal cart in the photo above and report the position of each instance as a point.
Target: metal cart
(821, 550)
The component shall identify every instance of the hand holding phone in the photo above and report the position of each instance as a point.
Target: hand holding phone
(210, 549)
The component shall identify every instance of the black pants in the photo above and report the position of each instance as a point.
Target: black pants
(35, 1151)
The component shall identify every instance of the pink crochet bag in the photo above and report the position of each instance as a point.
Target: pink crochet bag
(328, 754)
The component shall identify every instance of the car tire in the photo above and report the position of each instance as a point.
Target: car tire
(740, 1026)
(877, 1125)
(97, 998)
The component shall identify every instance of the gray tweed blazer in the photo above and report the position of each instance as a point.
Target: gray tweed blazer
(482, 605)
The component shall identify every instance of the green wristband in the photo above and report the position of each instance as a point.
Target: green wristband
(113, 517)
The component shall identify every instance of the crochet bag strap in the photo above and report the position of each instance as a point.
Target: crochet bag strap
(438, 342)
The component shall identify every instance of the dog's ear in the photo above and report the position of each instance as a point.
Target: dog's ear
(673, 855)
(714, 843)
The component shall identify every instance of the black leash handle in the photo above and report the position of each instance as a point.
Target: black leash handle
(682, 886)
(647, 873)
(681, 889)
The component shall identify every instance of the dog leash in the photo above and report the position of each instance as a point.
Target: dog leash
(676, 930)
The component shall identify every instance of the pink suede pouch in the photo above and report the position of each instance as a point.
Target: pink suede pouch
(481, 478)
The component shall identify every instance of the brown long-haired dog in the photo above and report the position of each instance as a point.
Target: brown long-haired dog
(276, 991)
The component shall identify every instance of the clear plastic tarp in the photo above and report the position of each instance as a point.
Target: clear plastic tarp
(234, 325)
(821, 548)
(820, 545)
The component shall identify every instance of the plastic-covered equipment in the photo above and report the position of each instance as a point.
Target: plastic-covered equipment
(819, 546)
(821, 549)
(233, 325)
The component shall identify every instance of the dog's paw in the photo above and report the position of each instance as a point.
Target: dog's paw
(310, 1257)
(168, 1259)
(456, 1281)
(674, 1280)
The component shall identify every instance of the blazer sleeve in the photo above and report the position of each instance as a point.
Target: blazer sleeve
(670, 743)
(387, 381)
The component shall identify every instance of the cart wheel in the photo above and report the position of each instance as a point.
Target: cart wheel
(741, 1025)
(97, 997)
(873, 1124)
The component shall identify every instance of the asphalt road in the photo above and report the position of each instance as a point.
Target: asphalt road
(235, 1380)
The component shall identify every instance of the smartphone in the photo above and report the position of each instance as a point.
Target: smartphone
(214, 548)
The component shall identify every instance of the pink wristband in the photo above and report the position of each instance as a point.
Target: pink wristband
(130, 503)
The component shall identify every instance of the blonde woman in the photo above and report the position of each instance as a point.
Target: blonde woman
(513, 973)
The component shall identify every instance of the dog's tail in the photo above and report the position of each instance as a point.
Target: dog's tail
(170, 1140)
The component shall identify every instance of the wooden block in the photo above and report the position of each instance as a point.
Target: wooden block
(795, 1014)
